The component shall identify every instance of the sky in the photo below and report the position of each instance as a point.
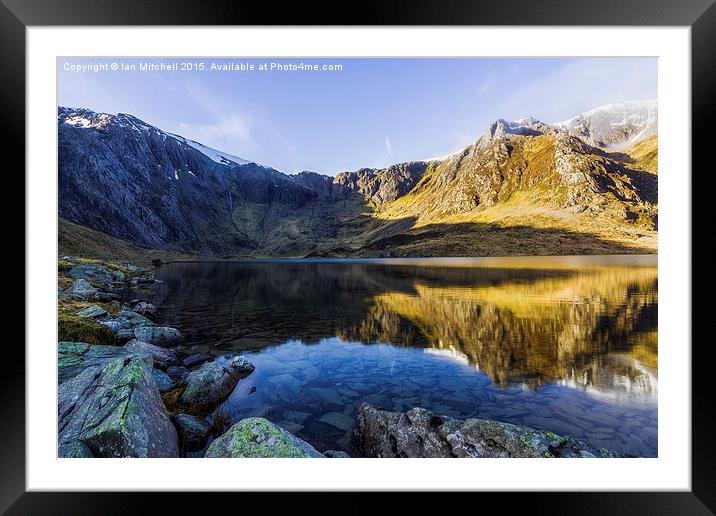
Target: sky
(372, 112)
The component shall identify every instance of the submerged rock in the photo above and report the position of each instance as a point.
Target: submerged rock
(258, 437)
(213, 382)
(193, 431)
(115, 411)
(163, 336)
(163, 358)
(421, 433)
(196, 360)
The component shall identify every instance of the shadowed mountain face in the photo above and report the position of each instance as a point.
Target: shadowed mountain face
(536, 188)
(595, 327)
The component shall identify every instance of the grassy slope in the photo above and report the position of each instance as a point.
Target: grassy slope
(76, 240)
(646, 154)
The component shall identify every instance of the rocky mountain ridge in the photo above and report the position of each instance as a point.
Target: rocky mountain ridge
(123, 177)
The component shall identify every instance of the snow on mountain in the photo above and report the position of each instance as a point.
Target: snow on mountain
(213, 154)
(615, 125)
(87, 119)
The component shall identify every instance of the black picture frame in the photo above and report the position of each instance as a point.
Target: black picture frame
(17, 15)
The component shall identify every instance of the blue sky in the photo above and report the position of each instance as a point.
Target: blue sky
(374, 112)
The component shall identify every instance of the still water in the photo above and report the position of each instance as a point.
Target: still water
(566, 344)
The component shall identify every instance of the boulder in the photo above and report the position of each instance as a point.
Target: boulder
(75, 357)
(82, 290)
(196, 359)
(193, 431)
(93, 312)
(177, 373)
(258, 437)
(114, 411)
(163, 380)
(421, 433)
(336, 454)
(97, 273)
(163, 336)
(124, 323)
(145, 309)
(213, 382)
(163, 358)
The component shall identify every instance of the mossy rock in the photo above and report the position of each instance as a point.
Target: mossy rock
(257, 437)
(83, 329)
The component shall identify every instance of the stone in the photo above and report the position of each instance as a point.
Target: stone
(193, 431)
(177, 373)
(114, 411)
(93, 311)
(97, 273)
(82, 290)
(163, 358)
(163, 336)
(258, 437)
(75, 357)
(422, 433)
(196, 359)
(214, 381)
(163, 380)
(336, 454)
(145, 309)
(124, 323)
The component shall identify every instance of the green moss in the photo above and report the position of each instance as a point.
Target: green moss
(554, 436)
(83, 329)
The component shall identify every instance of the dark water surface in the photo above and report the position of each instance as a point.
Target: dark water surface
(562, 344)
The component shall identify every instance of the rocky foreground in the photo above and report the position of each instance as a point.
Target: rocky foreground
(124, 392)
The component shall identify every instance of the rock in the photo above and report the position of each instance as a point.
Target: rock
(193, 431)
(93, 311)
(177, 373)
(337, 420)
(163, 358)
(196, 359)
(258, 437)
(82, 290)
(75, 357)
(213, 382)
(124, 323)
(114, 411)
(163, 380)
(336, 454)
(163, 336)
(97, 273)
(421, 433)
(145, 309)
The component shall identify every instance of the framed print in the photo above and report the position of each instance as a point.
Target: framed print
(425, 246)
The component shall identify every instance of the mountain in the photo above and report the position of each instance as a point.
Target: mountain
(523, 187)
(615, 125)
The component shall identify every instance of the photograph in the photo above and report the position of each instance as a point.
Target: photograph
(357, 257)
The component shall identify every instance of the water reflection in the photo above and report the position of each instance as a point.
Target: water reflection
(593, 326)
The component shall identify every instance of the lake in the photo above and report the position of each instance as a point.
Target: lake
(566, 344)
